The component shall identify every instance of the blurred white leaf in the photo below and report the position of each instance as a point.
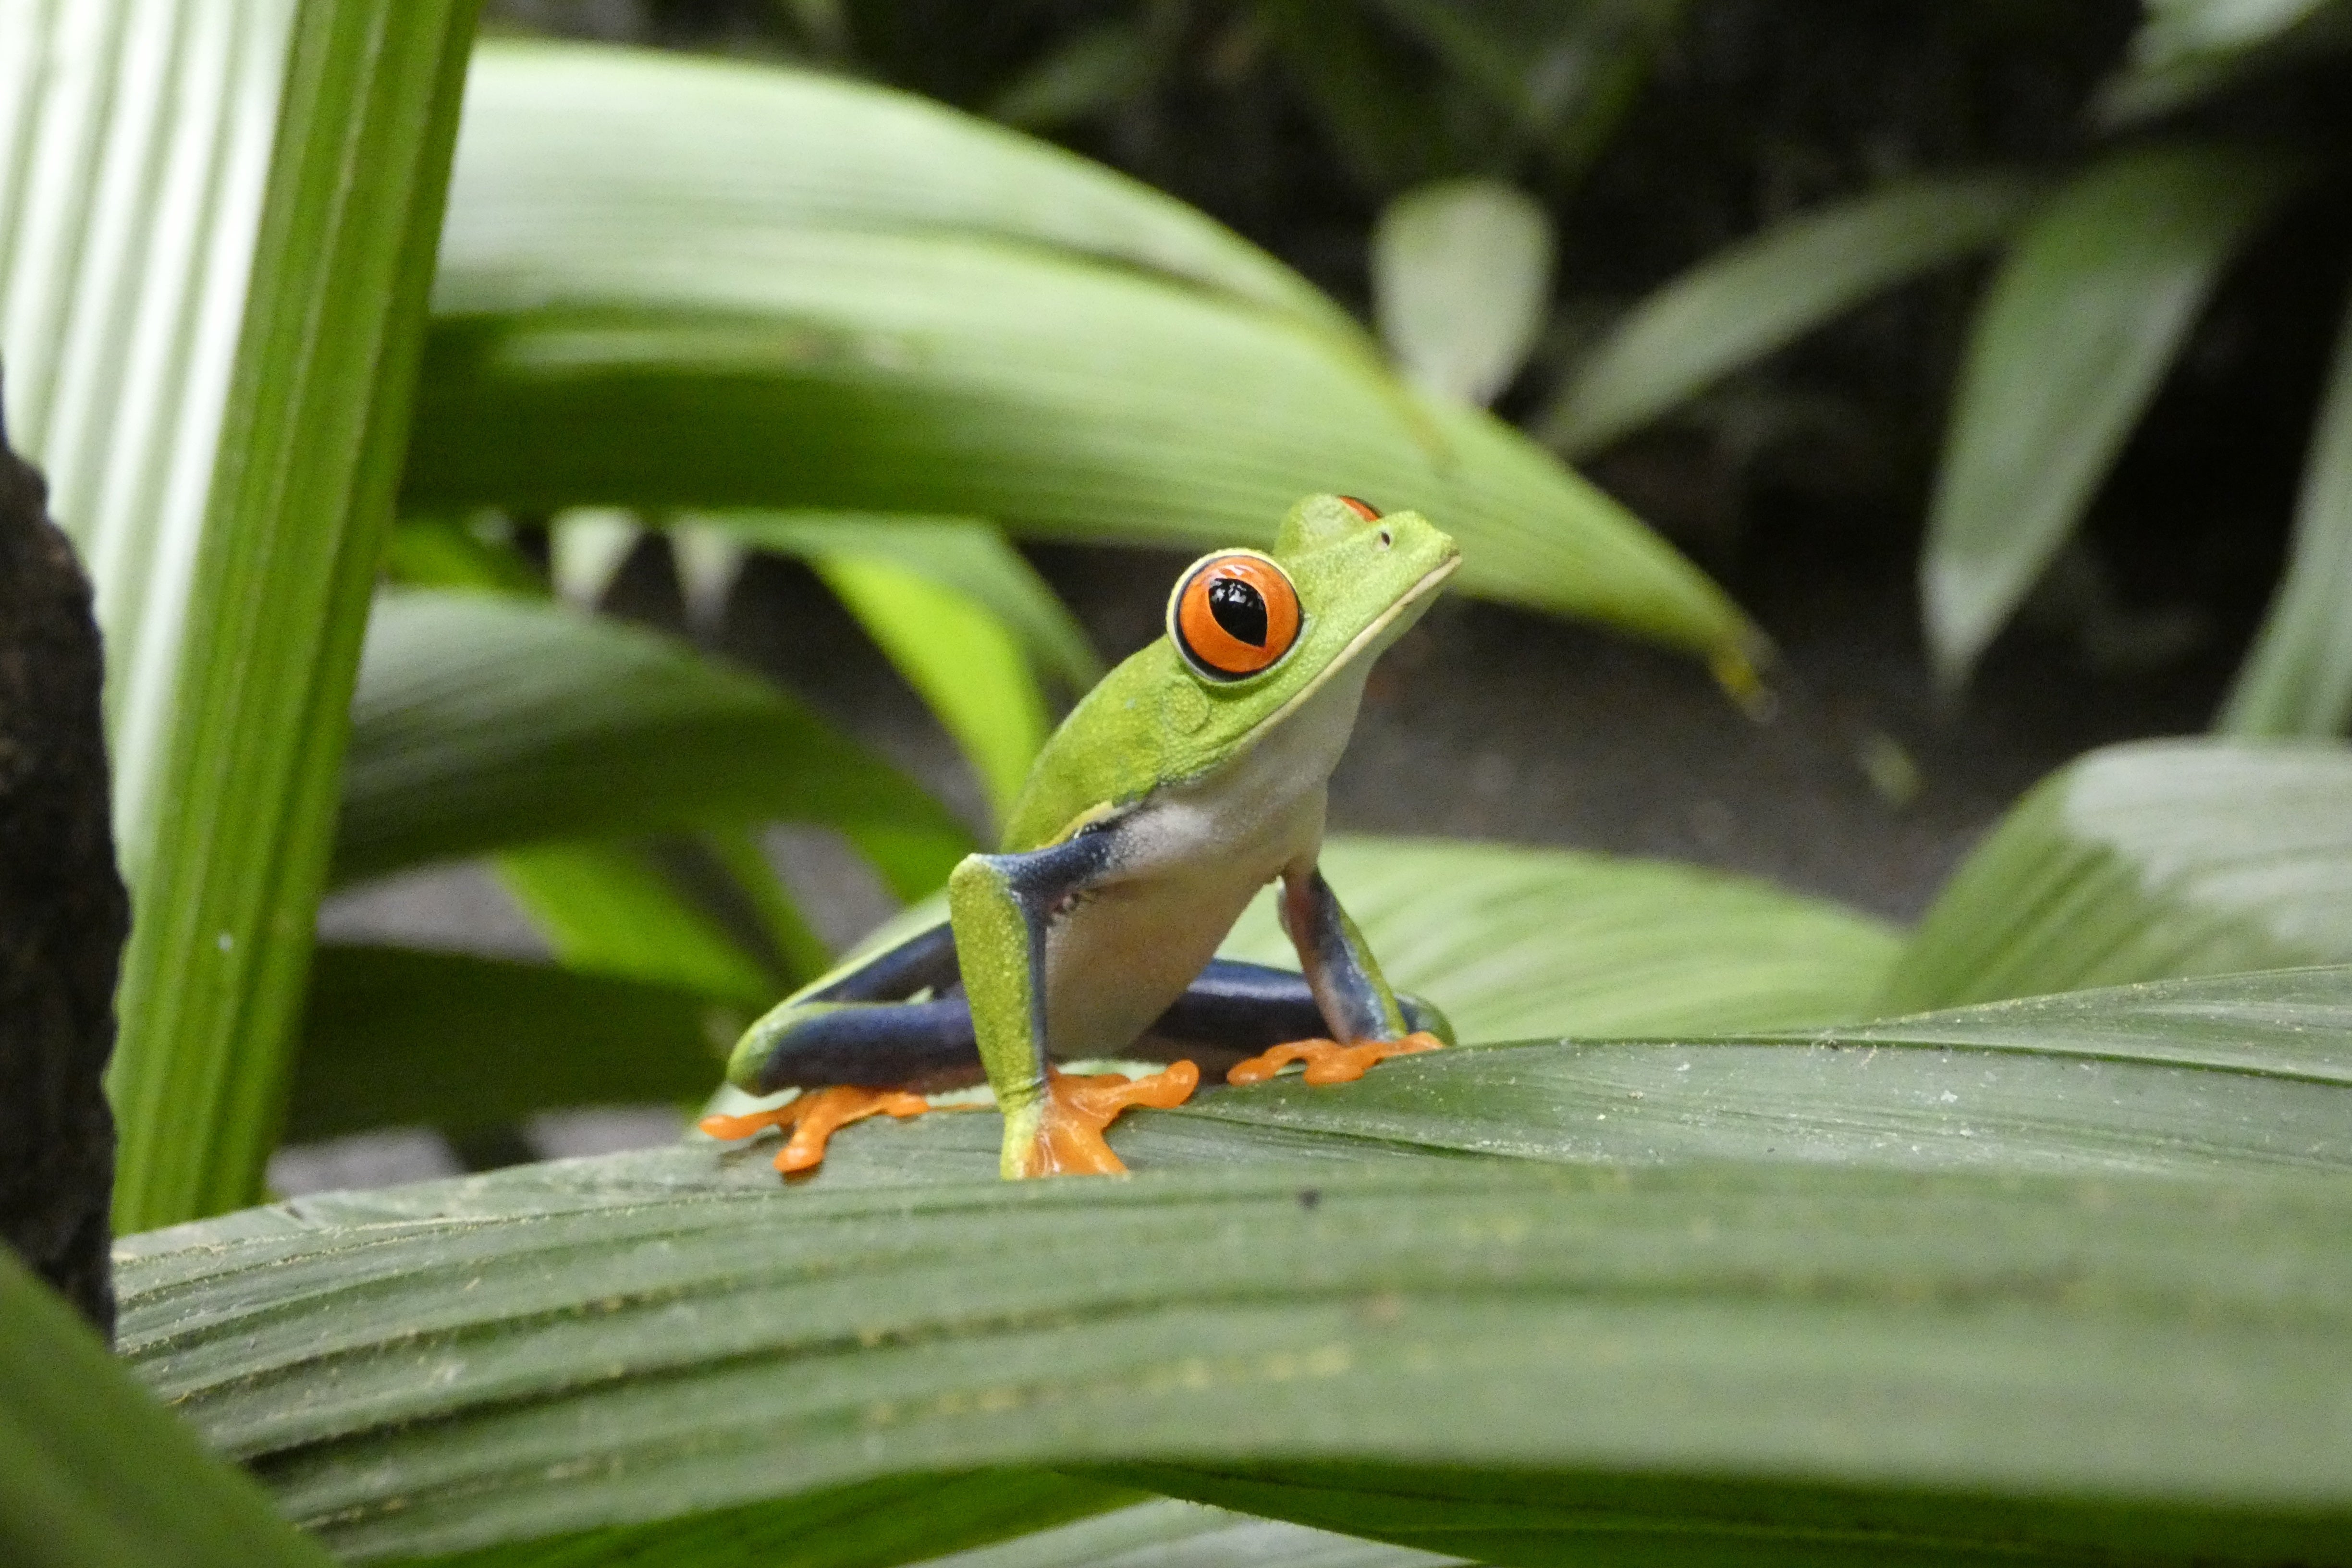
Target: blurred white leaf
(1461, 283)
(709, 561)
(585, 548)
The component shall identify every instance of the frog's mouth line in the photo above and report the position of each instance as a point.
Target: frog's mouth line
(1363, 640)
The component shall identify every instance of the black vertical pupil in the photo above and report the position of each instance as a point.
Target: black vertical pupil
(1240, 609)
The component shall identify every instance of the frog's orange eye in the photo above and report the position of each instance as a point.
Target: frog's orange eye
(1364, 509)
(1234, 616)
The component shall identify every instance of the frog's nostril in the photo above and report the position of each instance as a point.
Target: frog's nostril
(1386, 538)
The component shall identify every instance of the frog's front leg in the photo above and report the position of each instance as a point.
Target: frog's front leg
(1367, 1025)
(852, 1043)
(1002, 906)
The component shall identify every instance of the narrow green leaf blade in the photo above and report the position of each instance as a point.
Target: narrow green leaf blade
(486, 722)
(962, 553)
(607, 909)
(398, 1036)
(1462, 283)
(965, 664)
(2145, 861)
(1517, 943)
(93, 1475)
(2091, 305)
(2297, 679)
(217, 264)
(1517, 1364)
(802, 954)
(1762, 294)
(448, 553)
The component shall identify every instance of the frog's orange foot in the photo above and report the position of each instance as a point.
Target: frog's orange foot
(810, 1117)
(1329, 1061)
(1069, 1139)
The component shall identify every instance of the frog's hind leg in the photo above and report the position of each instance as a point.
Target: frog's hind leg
(1236, 1009)
(851, 1052)
(1004, 905)
(1367, 1021)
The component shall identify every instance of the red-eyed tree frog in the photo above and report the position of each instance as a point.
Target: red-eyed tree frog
(1188, 778)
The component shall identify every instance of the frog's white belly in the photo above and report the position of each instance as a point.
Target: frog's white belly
(1189, 861)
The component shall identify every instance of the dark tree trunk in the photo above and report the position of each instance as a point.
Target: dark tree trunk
(63, 912)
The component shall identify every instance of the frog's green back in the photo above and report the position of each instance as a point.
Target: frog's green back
(1107, 752)
(1154, 721)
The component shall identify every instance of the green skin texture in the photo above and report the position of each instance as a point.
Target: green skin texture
(1197, 792)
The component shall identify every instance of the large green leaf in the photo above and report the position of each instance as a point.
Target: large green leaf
(396, 1036)
(1522, 1364)
(93, 1475)
(219, 224)
(2297, 679)
(1762, 294)
(708, 149)
(2143, 861)
(2194, 1076)
(489, 722)
(593, 348)
(1515, 942)
(2091, 305)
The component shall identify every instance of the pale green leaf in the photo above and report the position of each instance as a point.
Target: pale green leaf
(2145, 861)
(2190, 50)
(2089, 308)
(2297, 677)
(1170, 1535)
(964, 663)
(1462, 283)
(1753, 298)
(486, 722)
(1516, 1363)
(962, 554)
(2176, 29)
(608, 908)
(218, 224)
(598, 344)
(396, 1036)
(93, 1475)
(1515, 942)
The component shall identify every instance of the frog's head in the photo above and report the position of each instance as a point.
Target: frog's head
(1258, 634)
